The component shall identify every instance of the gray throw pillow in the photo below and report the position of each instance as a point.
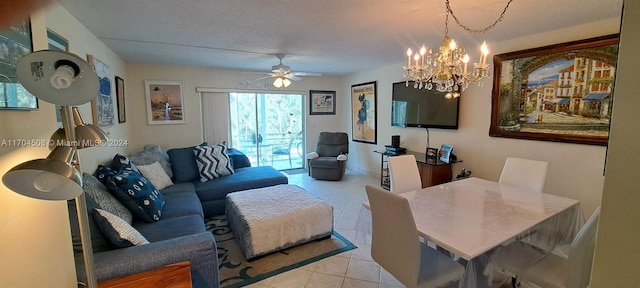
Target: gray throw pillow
(152, 154)
(120, 233)
(104, 199)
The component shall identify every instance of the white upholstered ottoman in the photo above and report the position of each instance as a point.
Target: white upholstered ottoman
(273, 218)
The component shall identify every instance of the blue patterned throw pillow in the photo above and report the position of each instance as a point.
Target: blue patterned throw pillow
(213, 162)
(103, 173)
(137, 194)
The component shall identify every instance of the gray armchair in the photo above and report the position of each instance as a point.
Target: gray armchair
(328, 162)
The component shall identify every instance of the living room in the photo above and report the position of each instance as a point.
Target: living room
(576, 171)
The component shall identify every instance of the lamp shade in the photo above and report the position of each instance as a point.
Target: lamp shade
(53, 178)
(58, 77)
(87, 135)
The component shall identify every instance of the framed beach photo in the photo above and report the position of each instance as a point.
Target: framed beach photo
(322, 102)
(165, 102)
(363, 112)
(445, 153)
(560, 93)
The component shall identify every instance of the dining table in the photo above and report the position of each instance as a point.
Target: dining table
(473, 217)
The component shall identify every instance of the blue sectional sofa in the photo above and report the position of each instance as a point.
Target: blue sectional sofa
(180, 234)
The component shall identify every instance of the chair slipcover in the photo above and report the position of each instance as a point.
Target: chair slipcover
(395, 245)
(524, 173)
(404, 174)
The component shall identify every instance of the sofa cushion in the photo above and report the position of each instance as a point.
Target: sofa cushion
(104, 199)
(242, 179)
(104, 172)
(137, 194)
(171, 228)
(178, 187)
(212, 161)
(156, 175)
(99, 242)
(181, 203)
(183, 164)
(238, 159)
(119, 233)
(150, 155)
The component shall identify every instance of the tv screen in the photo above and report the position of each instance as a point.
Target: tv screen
(411, 107)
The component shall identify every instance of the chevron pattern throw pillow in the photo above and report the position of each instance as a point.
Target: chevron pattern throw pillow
(213, 162)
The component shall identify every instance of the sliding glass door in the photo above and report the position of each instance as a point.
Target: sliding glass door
(268, 128)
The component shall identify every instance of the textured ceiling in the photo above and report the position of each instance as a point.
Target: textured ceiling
(333, 37)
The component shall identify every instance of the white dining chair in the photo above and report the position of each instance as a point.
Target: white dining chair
(546, 269)
(524, 173)
(404, 174)
(395, 245)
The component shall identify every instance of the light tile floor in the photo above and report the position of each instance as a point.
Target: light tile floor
(351, 269)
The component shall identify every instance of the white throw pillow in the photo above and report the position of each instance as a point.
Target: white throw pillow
(156, 175)
(312, 155)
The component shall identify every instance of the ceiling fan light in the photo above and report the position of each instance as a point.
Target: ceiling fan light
(286, 82)
(278, 82)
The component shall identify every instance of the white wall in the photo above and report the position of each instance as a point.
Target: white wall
(575, 171)
(617, 252)
(181, 135)
(35, 248)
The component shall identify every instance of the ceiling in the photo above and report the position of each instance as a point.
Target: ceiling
(332, 37)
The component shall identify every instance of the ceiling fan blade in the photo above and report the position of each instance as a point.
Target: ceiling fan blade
(262, 78)
(292, 76)
(306, 74)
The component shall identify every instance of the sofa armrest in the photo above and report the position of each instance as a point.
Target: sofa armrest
(240, 160)
(199, 249)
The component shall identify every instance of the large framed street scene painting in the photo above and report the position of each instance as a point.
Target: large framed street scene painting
(363, 112)
(561, 93)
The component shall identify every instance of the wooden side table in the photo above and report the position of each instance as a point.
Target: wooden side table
(432, 171)
(176, 275)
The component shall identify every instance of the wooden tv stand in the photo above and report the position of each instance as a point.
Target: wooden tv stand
(432, 171)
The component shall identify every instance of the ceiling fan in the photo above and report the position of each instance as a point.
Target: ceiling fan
(283, 75)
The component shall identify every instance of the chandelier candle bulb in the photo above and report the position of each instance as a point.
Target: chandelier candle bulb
(465, 59)
(485, 52)
(409, 53)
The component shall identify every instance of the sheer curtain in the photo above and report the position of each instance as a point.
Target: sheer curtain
(215, 117)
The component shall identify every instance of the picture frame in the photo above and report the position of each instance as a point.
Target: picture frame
(559, 93)
(445, 153)
(15, 42)
(165, 102)
(102, 105)
(364, 112)
(432, 153)
(57, 43)
(120, 102)
(322, 102)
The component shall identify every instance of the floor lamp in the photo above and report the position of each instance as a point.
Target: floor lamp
(67, 80)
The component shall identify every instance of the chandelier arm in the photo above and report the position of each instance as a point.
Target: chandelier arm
(477, 31)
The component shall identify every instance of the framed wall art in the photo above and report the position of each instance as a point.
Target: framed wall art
(363, 112)
(322, 102)
(561, 93)
(165, 102)
(102, 105)
(57, 43)
(122, 115)
(15, 42)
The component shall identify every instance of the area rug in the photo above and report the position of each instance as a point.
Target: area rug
(236, 271)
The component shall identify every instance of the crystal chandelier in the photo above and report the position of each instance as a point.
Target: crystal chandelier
(447, 68)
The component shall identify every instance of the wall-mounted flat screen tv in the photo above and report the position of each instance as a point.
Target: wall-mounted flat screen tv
(411, 107)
